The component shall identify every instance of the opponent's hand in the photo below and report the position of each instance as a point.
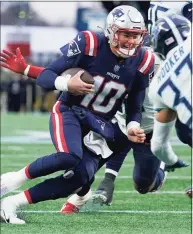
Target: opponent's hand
(136, 135)
(77, 87)
(13, 62)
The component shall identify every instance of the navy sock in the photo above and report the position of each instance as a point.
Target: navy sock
(85, 188)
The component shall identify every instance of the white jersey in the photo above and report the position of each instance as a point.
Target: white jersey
(158, 9)
(171, 86)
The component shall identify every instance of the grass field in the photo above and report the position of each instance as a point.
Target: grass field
(165, 212)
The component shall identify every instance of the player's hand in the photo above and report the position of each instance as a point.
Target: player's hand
(77, 87)
(136, 135)
(13, 62)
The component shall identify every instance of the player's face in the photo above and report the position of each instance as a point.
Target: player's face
(129, 40)
(128, 43)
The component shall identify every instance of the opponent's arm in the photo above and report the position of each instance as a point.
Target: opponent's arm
(17, 63)
(160, 146)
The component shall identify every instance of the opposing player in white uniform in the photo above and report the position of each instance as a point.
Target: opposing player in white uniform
(158, 9)
(170, 89)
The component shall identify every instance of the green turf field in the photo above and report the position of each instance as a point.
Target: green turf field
(165, 212)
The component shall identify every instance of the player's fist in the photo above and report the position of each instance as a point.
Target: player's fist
(77, 87)
(13, 62)
(136, 135)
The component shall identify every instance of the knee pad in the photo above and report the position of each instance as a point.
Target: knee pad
(143, 188)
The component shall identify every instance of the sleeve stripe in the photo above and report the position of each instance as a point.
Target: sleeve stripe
(147, 62)
(91, 43)
(144, 60)
(150, 64)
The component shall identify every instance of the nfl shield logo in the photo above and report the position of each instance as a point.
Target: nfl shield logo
(116, 68)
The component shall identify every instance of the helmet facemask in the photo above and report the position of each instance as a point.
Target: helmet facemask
(127, 49)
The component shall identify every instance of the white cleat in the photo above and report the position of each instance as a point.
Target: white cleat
(9, 182)
(8, 211)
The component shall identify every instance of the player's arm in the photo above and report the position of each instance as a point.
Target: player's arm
(163, 124)
(133, 110)
(50, 78)
(17, 63)
(136, 97)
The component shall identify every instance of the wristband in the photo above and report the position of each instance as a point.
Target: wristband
(133, 124)
(26, 70)
(61, 83)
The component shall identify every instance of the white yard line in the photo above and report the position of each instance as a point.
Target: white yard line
(115, 211)
(16, 155)
(132, 191)
(131, 165)
(168, 177)
(158, 192)
(184, 157)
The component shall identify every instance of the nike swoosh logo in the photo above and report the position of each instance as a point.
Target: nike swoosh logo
(79, 38)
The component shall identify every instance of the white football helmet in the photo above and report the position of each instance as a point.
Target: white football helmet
(125, 19)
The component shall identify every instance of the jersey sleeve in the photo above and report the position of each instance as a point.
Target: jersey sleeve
(136, 96)
(85, 43)
(133, 106)
(146, 65)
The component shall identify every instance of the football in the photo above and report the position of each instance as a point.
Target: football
(86, 76)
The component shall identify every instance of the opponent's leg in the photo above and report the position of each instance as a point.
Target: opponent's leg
(120, 147)
(104, 192)
(183, 132)
(148, 173)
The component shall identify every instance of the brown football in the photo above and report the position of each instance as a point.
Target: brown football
(86, 76)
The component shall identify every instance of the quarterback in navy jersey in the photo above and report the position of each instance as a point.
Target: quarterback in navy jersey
(114, 76)
(126, 72)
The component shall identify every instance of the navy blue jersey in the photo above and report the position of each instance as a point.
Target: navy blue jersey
(114, 78)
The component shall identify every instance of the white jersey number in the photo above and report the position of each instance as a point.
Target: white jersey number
(176, 90)
(102, 102)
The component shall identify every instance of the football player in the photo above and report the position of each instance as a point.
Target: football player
(105, 190)
(125, 74)
(170, 89)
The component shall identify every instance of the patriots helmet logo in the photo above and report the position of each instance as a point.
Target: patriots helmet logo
(73, 49)
(117, 13)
